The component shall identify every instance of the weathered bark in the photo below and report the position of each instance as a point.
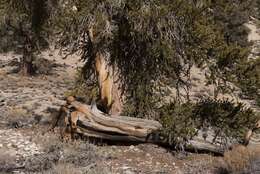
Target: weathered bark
(89, 121)
(105, 81)
(109, 92)
(26, 67)
(102, 122)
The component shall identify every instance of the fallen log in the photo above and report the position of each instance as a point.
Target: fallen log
(88, 121)
(118, 124)
(204, 146)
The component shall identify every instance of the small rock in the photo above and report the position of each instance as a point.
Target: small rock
(131, 147)
(136, 149)
(129, 172)
(27, 149)
(13, 141)
(20, 146)
(125, 167)
(27, 142)
(14, 145)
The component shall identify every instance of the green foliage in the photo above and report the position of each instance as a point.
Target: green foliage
(151, 42)
(141, 103)
(248, 78)
(227, 119)
(23, 29)
(178, 123)
(22, 26)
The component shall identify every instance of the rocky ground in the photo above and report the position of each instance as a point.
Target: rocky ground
(27, 108)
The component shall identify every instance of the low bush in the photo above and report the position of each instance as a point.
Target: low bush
(241, 160)
(228, 120)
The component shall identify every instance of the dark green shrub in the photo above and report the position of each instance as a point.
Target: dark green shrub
(178, 123)
(227, 119)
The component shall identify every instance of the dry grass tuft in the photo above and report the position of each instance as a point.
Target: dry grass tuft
(65, 169)
(17, 117)
(7, 161)
(238, 158)
(17, 112)
(241, 159)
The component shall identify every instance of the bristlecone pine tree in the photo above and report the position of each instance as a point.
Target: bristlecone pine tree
(145, 43)
(25, 18)
(137, 47)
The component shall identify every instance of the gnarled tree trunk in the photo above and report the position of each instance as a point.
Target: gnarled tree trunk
(89, 121)
(110, 96)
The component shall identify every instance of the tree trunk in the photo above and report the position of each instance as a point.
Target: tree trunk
(110, 100)
(110, 96)
(27, 68)
(27, 63)
(105, 82)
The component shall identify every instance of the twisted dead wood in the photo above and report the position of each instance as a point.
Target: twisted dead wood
(91, 122)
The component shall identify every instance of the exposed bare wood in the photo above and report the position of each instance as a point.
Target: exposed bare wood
(204, 146)
(133, 128)
(84, 122)
(105, 81)
(101, 135)
(89, 121)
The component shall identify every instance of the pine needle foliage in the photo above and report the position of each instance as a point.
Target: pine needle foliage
(155, 43)
(26, 18)
(23, 26)
(228, 120)
(158, 41)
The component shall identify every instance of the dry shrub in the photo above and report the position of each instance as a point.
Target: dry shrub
(60, 157)
(99, 168)
(17, 111)
(241, 160)
(7, 161)
(79, 153)
(65, 169)
(238, 158)
(17, 117)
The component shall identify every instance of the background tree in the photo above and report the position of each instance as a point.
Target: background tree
(25, 20)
